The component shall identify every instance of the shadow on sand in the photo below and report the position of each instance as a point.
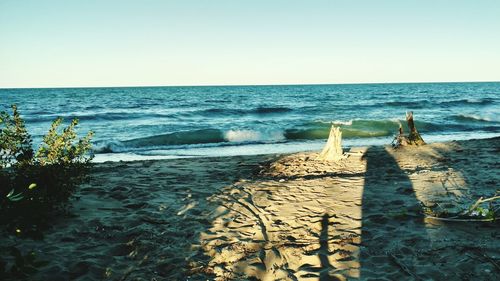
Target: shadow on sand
(393, 228)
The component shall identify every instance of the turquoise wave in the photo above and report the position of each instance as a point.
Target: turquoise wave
(308, 131)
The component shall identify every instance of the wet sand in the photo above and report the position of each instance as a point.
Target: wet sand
(275, 217)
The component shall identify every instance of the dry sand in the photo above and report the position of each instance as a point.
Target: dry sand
(281, 218)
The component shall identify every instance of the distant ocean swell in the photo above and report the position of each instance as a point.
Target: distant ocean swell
(308, 131)
(473, 118)
(257, 110)
(127, 114)
(40, 117)
(422, 103)
(107, 116)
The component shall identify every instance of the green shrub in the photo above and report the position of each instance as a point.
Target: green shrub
(35, 185)
(60, 149)
(15, 142)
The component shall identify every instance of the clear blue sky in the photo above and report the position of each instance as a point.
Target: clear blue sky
(118, 43)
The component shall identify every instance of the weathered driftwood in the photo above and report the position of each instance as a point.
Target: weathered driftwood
(468, 215)
(413, 138)
(333, 148)
(455, 219)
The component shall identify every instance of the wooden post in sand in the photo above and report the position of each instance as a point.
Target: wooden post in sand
(413, 138)
(333, 148)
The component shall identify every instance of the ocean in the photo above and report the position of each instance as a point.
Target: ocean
(135, 123)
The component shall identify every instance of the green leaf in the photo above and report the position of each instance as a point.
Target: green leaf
(16, 197)
(10, 193)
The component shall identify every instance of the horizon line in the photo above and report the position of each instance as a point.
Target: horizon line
(249, 85)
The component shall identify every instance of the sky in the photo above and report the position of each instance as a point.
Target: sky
(92, 43)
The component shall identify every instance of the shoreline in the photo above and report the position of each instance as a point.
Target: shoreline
(280, 216)
(271, 148)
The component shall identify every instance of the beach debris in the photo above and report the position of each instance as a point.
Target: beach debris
(333, 148)
(475, 213)
(413, 138)
(403, 266)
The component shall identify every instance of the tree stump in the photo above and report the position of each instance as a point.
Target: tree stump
(413, 138)
(333, 148)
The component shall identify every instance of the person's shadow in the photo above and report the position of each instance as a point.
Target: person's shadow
(393, 229)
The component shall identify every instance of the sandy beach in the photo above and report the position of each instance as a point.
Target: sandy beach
(281, 217)
(249, 140)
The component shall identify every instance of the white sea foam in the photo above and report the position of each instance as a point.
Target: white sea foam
(474, 117)
(252, 136)
(345, 123)
(474, 100)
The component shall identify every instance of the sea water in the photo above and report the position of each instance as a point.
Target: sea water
(133, 123)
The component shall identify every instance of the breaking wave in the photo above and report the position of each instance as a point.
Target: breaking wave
(472, 118)
(308, 131)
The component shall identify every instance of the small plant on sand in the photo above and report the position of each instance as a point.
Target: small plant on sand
(34, 185)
